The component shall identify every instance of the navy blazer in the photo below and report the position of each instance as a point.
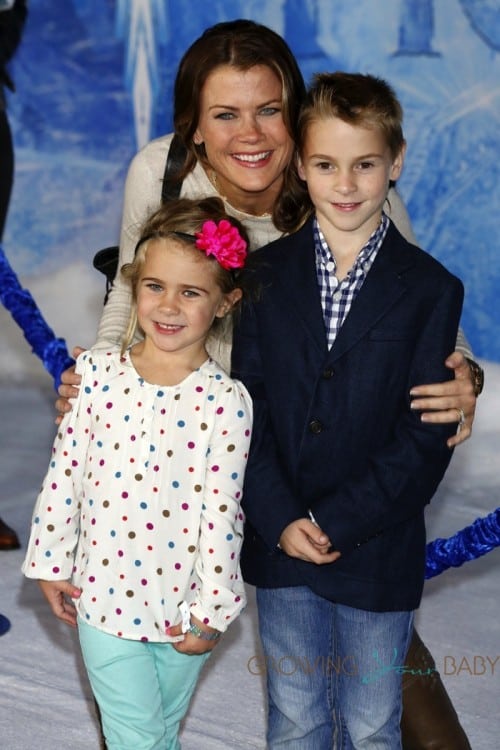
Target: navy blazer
(333, 430)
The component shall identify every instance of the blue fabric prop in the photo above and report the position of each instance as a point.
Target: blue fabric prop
(23, 308)
(468, 544)
(4, 624)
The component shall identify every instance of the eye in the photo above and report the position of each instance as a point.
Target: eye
(190, 293)
(154, 287)
(225, 116)
(269, 111)
(323, 166)
(363, 165)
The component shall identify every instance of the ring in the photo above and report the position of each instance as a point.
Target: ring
(461, 418)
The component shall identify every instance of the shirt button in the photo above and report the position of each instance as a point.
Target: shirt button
(328, 373)
(315, 426)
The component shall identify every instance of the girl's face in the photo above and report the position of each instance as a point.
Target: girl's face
(347, 169)
(246, 142)
(178, 298)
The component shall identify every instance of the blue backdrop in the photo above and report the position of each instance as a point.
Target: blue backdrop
(94, 83)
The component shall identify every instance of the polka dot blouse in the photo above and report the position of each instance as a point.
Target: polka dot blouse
(140, 505)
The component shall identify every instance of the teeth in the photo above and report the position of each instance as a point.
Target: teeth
(252, 157)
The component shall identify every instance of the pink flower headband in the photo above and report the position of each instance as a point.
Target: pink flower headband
(224, 242)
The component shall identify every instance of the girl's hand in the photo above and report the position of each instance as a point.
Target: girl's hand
(448, 400)
(68, 387)
(192, 644)
(57, 594)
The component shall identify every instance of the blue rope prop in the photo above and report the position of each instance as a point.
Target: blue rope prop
(471, 542)
(38, 334)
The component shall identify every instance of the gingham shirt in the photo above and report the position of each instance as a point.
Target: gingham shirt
(337, 295)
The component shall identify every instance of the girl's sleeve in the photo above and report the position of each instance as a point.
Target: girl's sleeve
(221, 596)
(55, 525)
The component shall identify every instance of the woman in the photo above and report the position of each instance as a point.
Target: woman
(237, 95)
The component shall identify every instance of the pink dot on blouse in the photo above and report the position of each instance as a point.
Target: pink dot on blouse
(150, 526)
(109, 405)
(56, 569)
(219, 410)
(191, 444)
(215, 468)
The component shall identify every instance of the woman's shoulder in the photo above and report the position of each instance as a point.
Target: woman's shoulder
(153, 155)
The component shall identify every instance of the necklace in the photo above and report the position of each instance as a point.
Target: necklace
(212, 176)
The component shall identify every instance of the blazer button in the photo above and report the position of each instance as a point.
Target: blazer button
(315, 426)
(328, 373)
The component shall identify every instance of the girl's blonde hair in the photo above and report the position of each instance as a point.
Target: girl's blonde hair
(179, 220)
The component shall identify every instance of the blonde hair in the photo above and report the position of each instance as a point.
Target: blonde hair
(179, 220)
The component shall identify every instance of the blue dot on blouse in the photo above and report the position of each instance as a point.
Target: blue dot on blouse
(171, 545)
(143, 505)
(137, 621)
(175, 484)
(137, 563)
(181, 423)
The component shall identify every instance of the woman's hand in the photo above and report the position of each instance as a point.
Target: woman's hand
(445, 402)
(58, 594)
(192, 644)
(68, 387)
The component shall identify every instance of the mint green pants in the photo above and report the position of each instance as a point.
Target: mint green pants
(143, 689)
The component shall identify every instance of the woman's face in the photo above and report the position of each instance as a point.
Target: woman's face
(247, 144)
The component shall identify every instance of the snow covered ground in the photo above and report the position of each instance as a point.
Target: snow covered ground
(45, 701)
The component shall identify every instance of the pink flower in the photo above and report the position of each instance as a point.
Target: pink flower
(224, 242)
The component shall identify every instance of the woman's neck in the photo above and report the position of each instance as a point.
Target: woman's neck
(257, 203)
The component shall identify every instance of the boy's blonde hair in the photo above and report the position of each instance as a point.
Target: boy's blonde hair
(355, 98)
(179, 220)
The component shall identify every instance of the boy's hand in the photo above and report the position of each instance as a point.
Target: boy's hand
(448, 400)
(304, 540)
(57, 594)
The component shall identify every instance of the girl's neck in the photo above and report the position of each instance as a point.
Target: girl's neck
(165, 368)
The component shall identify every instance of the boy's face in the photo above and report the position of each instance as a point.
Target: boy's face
(347, 169)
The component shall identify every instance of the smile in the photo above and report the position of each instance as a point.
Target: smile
(253, 158)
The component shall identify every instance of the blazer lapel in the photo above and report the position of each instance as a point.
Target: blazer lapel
(383, 286)
(298, 272)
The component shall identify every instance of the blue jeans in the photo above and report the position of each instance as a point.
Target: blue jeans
(333, 672)
(143, 689)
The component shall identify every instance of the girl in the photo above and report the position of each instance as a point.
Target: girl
(138, 519)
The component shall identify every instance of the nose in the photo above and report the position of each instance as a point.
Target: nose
(344, 182)
(250, 129)
(169, 304)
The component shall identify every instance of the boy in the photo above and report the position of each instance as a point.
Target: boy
(350, 316)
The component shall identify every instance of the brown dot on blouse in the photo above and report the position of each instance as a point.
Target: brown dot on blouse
(105, 504)
(131, 534)
(166, 513)
(116, 446)
(191, 548)
(103, 618)
(170, 453)
(130, 594)
(177, 397)
(218, 569)
(159, 571)
(127, 391)
(230, 448)
(50, 527)
(197, 488)
(222, 508)
(67, 472)
(203, 426)
(105, 561)
(138, 477)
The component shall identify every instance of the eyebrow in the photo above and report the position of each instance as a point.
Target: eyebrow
(259, 106)
(155, 280)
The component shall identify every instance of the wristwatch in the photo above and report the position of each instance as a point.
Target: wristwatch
(477, 373)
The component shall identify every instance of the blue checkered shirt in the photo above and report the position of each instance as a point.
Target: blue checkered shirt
(337, 295)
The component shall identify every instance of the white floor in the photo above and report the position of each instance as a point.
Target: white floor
(44, 698)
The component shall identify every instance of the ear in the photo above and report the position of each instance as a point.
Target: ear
(197, 138)
(230, 300)
(397, 164)
(300, 169)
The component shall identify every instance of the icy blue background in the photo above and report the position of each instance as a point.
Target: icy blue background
(94, 80)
